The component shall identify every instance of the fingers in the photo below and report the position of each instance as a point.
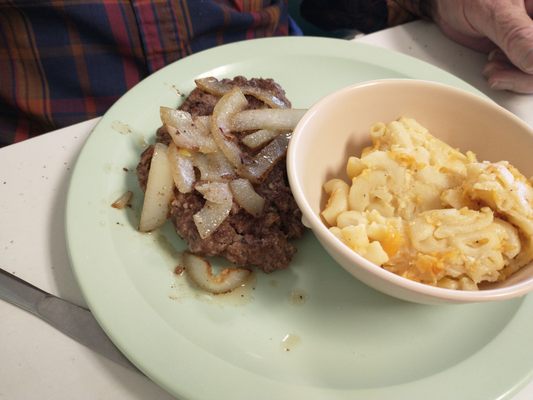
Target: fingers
(512, 31)
(501, 74)
(481, 44)
(498, 55)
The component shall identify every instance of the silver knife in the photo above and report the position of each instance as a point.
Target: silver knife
(74, 321)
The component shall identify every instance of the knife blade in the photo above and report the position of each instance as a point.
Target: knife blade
(72, 320)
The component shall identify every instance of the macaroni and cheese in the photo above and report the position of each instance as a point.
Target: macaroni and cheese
(425, 211)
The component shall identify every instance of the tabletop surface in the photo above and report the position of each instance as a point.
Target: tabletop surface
(40, 362)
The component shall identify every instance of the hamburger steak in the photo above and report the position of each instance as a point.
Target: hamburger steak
(243, 239)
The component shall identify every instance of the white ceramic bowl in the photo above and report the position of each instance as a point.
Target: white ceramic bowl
(337, 127)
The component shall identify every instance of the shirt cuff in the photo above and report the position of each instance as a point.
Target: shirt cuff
(401, 11)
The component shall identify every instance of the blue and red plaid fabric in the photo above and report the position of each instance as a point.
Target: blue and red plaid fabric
(62, 62)
(65, 61)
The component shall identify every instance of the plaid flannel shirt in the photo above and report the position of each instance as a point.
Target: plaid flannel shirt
(65, 61)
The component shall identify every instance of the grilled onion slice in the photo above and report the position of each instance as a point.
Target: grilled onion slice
(267, 118)
(247, 197)
(259, 138)
(218, 88)
(230, 104)
(216, 208)
(257, 169)
(201, 273)
(215, 192)
(158, 193)
(213, 166)
(188, 132)
(182, 168)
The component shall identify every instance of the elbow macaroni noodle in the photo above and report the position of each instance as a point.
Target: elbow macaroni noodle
(425, 211)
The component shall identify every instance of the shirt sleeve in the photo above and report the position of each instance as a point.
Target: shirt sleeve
(66, 62)
(363, 15)
(401, 11)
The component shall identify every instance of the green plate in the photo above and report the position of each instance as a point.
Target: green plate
(309, 332)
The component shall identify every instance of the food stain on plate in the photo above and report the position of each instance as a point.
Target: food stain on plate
(290, 341)
(125, 129)
(297, 297)
(121, 127)
(182, 288)
(175, 89)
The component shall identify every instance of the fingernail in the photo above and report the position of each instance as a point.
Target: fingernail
(502, 85)
(487, 70)
(492, 54)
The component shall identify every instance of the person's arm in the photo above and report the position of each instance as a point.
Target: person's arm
(363, 15)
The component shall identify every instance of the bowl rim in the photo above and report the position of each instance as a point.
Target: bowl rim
(319, 228)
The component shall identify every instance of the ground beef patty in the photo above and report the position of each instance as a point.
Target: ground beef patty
(242, 239)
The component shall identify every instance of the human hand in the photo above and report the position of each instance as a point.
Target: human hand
(503, 26)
